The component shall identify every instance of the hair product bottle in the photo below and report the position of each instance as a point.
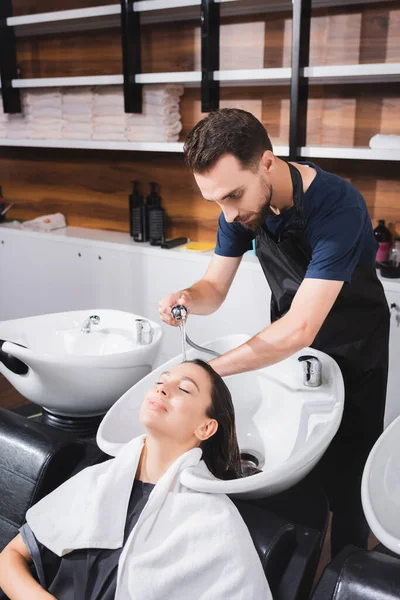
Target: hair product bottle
(156, 216)
(138, 215)
(384, 238)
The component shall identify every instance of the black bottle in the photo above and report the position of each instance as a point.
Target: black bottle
(156, 216)
(384, 238)
(138, 215)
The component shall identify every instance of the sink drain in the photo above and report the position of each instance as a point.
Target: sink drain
(251, 459)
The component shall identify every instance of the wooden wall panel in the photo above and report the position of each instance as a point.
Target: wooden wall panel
(361, 35)
(91, 188)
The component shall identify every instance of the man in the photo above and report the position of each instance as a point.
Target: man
(315, 244)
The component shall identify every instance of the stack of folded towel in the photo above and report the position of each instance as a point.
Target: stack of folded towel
(161, 120)
(77, 109)
(85, 113)
(43, 113)
(109, 117)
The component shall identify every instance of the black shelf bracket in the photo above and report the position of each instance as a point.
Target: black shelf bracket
(131, 56)
(210, 21)
(299, 83)
(8, 61)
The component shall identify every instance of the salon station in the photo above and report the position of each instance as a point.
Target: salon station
(199, 300)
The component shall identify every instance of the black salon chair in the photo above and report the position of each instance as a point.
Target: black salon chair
(35, 458)
(356, 574)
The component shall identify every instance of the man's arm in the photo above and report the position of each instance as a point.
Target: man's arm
(294, 331)
(207, 295)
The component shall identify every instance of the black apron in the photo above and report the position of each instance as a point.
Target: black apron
(355, 333)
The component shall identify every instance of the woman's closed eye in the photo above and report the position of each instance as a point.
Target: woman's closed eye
(182, 390)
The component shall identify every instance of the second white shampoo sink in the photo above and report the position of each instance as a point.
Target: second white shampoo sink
(285, 424)
(76, 374)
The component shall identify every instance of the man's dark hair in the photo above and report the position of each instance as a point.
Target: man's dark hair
(226, 131)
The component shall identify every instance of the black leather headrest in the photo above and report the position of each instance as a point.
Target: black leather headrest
(273, 537)
(34, 460)
(356, 574)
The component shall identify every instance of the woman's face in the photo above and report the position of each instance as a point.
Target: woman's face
(177, 403)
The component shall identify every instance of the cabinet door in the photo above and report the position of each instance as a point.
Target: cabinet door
(393, 391)
(23, 276)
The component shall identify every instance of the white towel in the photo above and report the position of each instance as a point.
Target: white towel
(152, 137)
(390, 142)
(184, 545)
(45, 223)
(111, 137)
(161, 110)
(168, 130)
(44, 112)
(78, 96)
(109, 129)
(76, 119)
(76, 135)
(108, 110)
(77, 109)
(153, 120)
(109, 120)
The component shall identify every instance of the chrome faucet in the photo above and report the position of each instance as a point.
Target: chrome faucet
(87, 324)
(312, 371)
(144, 332)
(180, 313)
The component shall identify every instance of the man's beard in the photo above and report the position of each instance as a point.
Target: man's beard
(253, 220)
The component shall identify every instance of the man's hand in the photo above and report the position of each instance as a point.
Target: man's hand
(183, 297)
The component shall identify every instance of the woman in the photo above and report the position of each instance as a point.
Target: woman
(128, 529)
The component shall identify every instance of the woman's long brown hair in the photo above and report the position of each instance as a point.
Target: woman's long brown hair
(221, 451)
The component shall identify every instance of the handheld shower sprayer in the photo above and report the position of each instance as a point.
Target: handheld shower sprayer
(180, 314)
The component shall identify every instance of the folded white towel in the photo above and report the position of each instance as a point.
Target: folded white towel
(161, 110)
(87, 131)
(78, 96)
(77, 109)
(39, 121)
(152, 137)
(109, 129)
(77, 119)
(109, 120)
(153, 120)
(45, 223)
(168, 130)
(166, 89)
(390, 142)
(76, 135)
(45, 135)
(18, 135)
(44, 112)
(108, 110)
(112, 137)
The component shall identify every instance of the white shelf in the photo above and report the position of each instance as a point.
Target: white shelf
(68, 81)
(154, 11)
(350, 153)
(365, 73)
(96, 145)
(100, 145)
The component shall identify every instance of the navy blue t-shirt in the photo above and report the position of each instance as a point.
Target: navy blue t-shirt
(339, 229)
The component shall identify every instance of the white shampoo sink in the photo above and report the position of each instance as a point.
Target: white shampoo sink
(380, 488)
(77, 374)
(286, 425)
